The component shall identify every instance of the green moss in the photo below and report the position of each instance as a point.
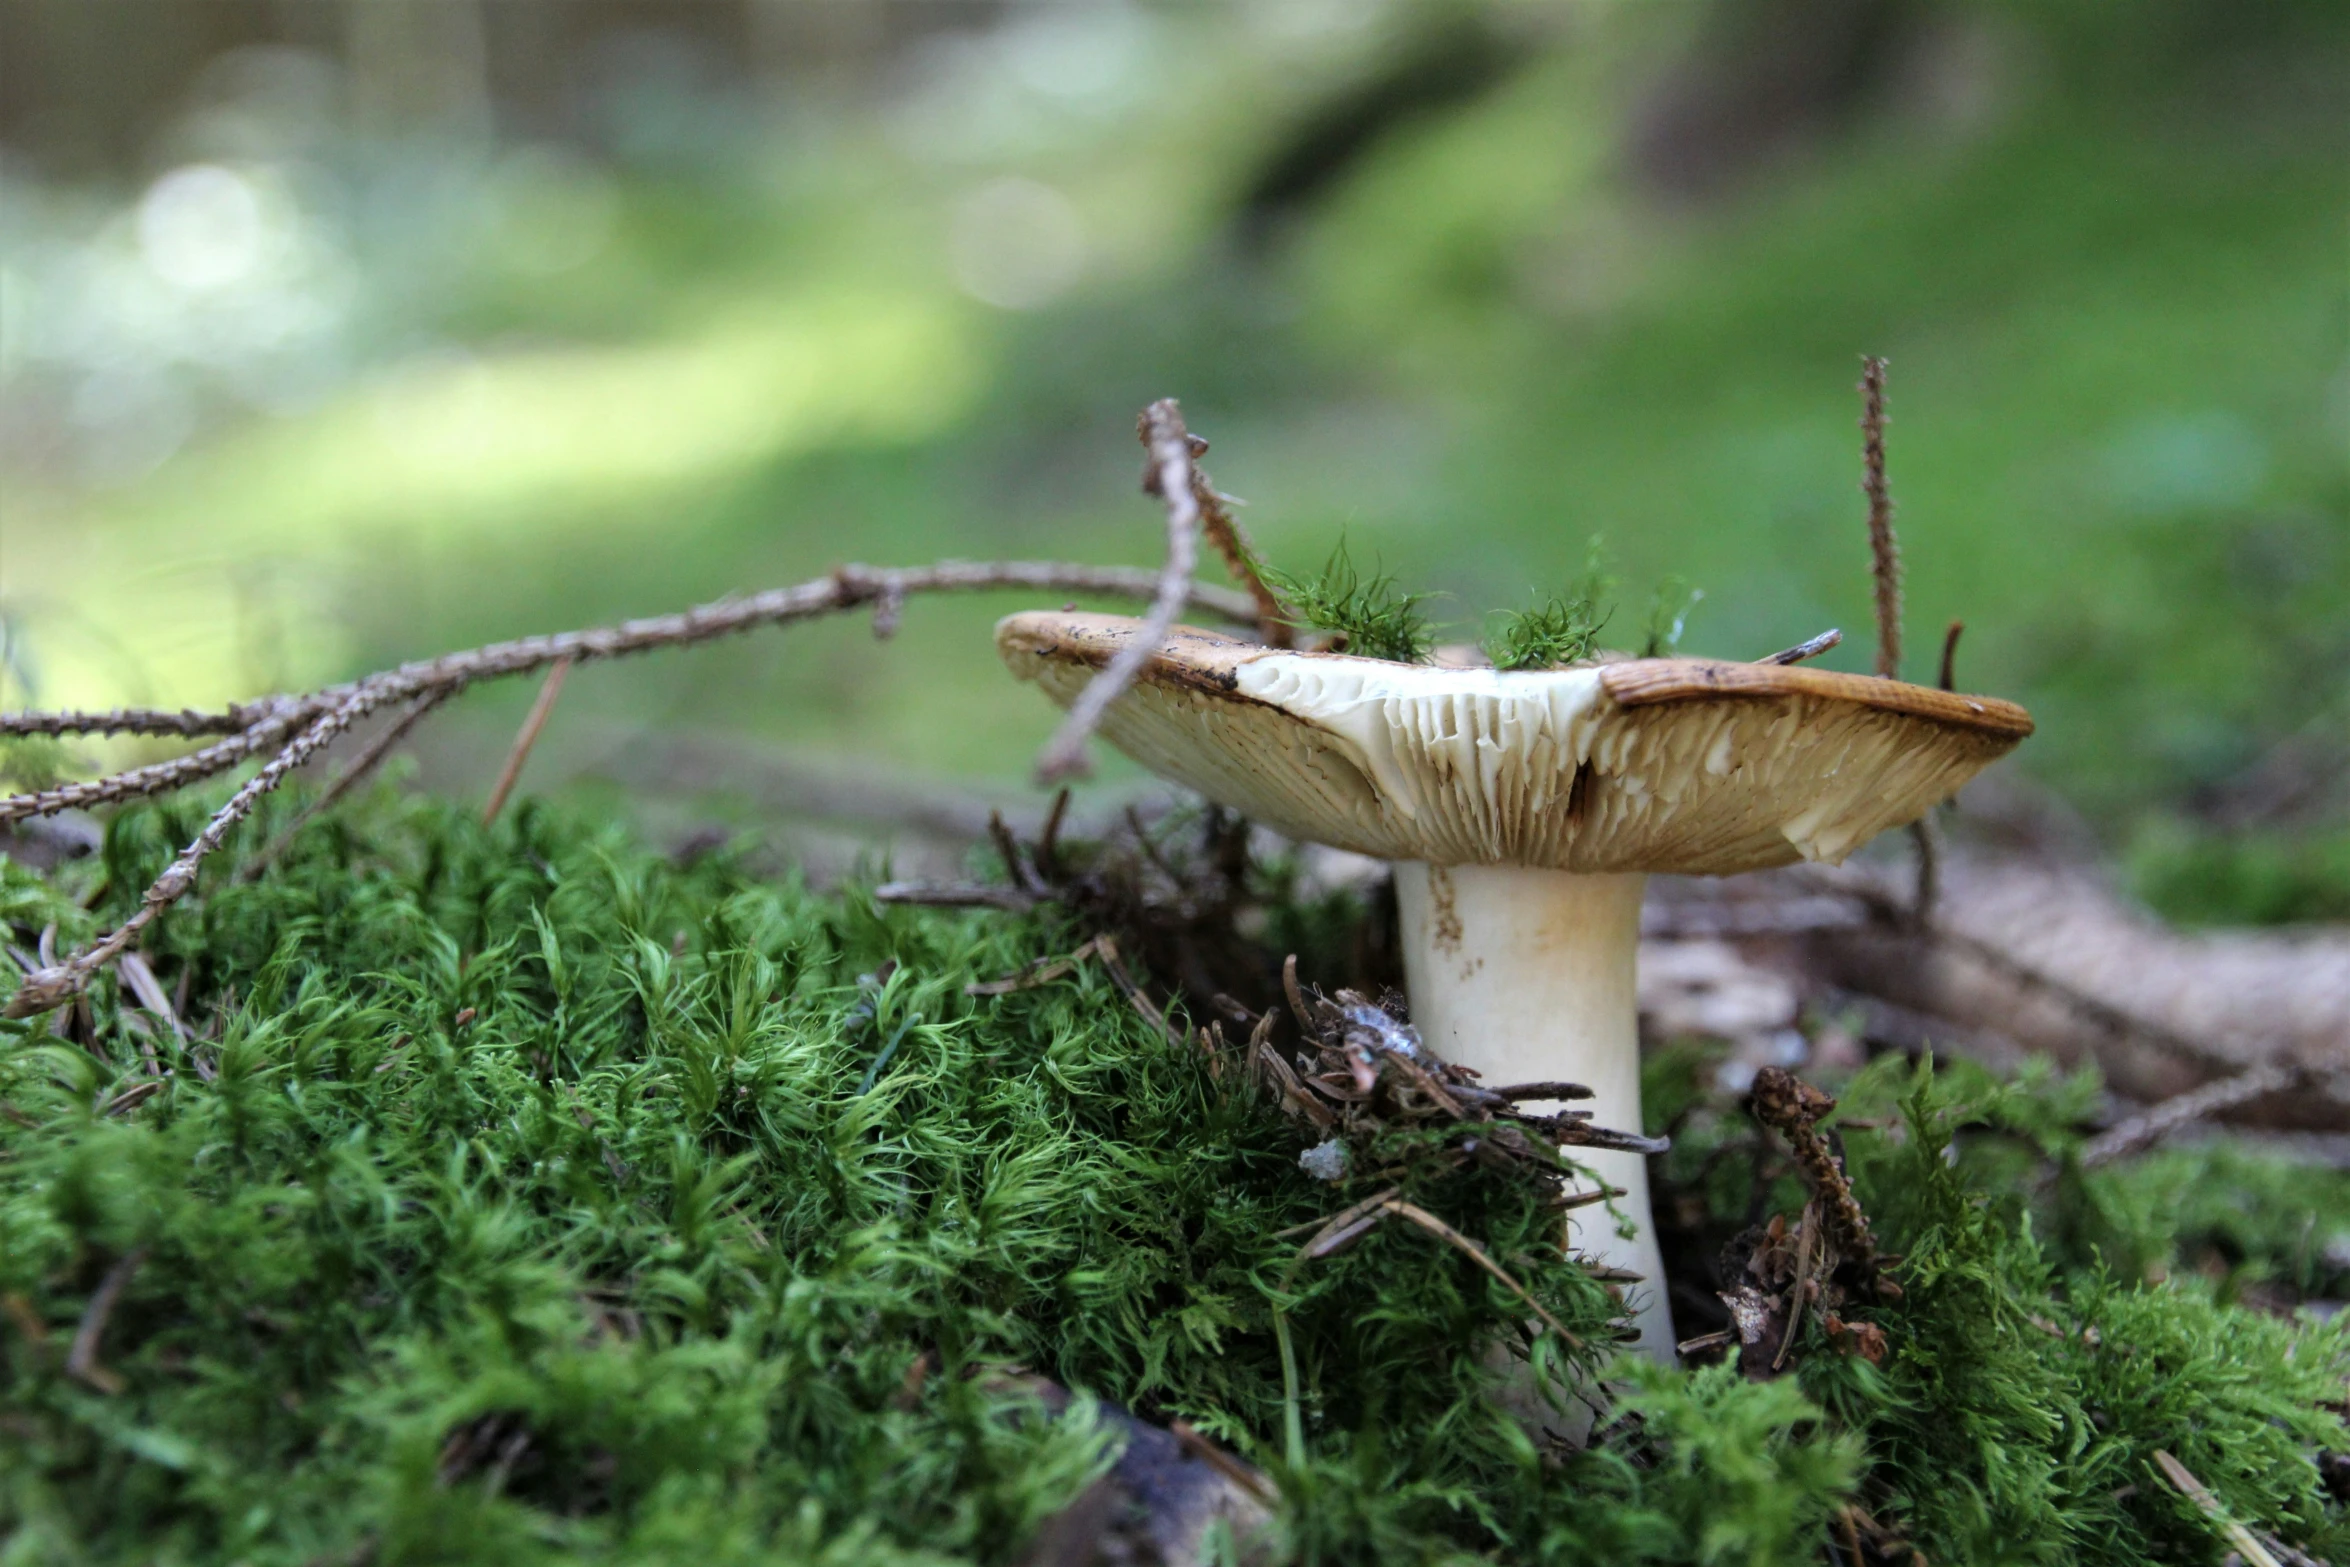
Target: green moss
(1370, 615)
(1563, 628)
(528, 1196)
(2247, 878)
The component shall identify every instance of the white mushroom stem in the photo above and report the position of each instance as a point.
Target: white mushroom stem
(1526, 975)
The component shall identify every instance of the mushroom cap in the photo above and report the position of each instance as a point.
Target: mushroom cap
(1686, 765)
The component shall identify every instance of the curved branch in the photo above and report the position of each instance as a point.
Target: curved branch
(1170, 478)
(431, 681)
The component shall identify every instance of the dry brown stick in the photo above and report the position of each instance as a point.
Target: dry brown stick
(549, 690)
(134, 721)
(81, 1361)
(1238, 549)
(350, 778)
(160, 777)
(2156, 1122)
(1803, 650)
(1222, 1462)
(847, 588)
(1807, 1246)
(59, 983)
(1884, 552)
(1170, 477)
(1477, 1254)
(2254, 1553)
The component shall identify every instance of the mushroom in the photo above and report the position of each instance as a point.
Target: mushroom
(1524, 811)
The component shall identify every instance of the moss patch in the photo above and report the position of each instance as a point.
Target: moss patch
(525, 1196)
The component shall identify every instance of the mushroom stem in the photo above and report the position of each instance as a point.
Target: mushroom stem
(1526, 975)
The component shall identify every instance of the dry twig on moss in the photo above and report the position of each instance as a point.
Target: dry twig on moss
(267, 730)
(317, 718)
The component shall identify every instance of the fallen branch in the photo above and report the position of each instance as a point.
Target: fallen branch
(1170, 477)
(2152, 1125)
(57, 984)
(333, 709)
(1894, 912)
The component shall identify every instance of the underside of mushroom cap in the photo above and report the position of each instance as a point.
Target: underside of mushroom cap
(1690, 766)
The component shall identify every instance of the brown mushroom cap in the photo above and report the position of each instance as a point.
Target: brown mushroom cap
(1686, 765)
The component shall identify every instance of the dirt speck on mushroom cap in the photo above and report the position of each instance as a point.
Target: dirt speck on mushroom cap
(1691, 766)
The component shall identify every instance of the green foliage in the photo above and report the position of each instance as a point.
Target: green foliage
(2252, 878)
(1374, 617)
(526, 1196)
(1563, 628)
(534, 1127)
(2017, 1417)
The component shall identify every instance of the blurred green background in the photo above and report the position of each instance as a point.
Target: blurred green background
(343, 331)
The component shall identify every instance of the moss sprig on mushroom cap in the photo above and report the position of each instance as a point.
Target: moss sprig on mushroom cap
(1370, 616)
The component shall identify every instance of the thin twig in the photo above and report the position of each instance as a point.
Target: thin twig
(1807, 1248)
(1884, 552)
(350, 778)
(1949, 680)
(336, 707)
(58, 984)
(1222, 1462)
(134, 721)
(1477, 1254)
(81, 1361)
(549, 690)
(2153, 1124)
(1274, 618)
(160, 777)
(1803, 650)
(1170, 477)
(2254, 1553)
(847, 588)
